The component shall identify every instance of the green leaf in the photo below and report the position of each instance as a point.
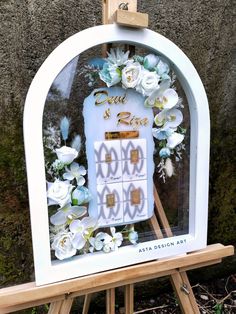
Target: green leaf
(218, 308)
(75, 201)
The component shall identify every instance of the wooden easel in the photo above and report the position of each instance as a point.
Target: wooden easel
(125, 14)
(61, 295)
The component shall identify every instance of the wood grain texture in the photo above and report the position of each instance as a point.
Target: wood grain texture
(110, 301)
(129, 299)
(21, 294)
(87, 300)
(131, 19)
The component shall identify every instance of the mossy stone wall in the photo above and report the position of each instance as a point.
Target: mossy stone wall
(30, 30)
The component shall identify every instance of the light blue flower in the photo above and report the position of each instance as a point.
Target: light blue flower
(165, 77)
(150, 61)
(64, 127)
(110, 74)
(96, 62)
(162, 133)
(162, 67)
(133, 236)
(81, 195)
(164, 152)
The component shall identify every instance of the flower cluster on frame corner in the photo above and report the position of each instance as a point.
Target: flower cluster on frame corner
(152, 77)
(72, 230)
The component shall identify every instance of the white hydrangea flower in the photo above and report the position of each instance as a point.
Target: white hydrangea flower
(98, 242)
(75, 172)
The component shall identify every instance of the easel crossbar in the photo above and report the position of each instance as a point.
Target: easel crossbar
(29, 293)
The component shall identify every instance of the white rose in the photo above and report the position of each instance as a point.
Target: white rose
(59, 192)
(66, 154)
(62, 244)
(131, 75)
(148, 83)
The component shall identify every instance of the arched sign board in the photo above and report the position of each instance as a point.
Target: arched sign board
(132, 158)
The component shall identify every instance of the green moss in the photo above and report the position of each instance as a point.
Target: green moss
(15, 248)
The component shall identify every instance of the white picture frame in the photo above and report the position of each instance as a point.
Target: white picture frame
(47, 271)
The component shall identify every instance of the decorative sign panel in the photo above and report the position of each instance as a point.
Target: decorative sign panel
(119, 167)
(91, 180)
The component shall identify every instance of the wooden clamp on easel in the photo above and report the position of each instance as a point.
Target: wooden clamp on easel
(61, 294)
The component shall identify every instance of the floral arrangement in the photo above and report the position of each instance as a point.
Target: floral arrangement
(149, 76)
(72, 231)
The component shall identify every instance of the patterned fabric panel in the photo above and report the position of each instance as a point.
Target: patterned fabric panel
(109, 216)
(129, 145)
(135, 212)
(107, 151)
(103, 191)
(109, 172)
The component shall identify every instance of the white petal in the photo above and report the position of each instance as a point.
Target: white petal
(82, 171)
(89, 222)
(62, 255)
(174, 139)
(78, 211)
(58, 219)
(113, 231)
(78, 241)
(174, 118)
(51, 202)
(74, 167)
(172, 98)
(68, 176)
(160, 118)
(92, 241)
(106, 248)
(76, 226)
(80, 181)
(98, 245)
(169, 168)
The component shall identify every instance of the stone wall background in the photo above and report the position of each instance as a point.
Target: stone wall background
(31, 29)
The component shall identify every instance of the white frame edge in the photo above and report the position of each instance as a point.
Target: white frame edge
(47, 272)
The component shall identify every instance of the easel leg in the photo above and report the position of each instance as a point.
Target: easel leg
(66, 306)
(55, 307)
(87, 300)
(187, 300)
(129, 299)
(110, 301)
(61, 307)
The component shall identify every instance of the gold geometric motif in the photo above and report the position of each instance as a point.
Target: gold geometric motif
(110, 200)
(134, 156)
(135, 197)
(108, 158)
